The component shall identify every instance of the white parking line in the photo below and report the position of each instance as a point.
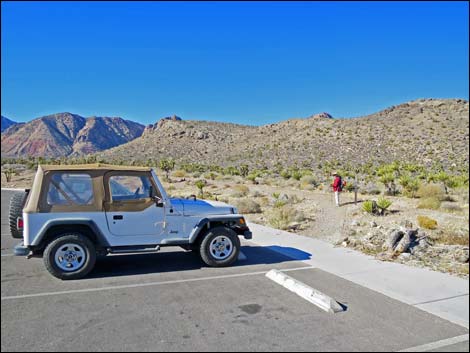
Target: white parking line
(13, 189)
(140, 285)
(5, 255)
(438, 344)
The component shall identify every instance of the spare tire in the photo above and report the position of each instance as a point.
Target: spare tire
(16, 210)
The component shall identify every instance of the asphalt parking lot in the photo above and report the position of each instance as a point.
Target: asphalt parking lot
(169, 301)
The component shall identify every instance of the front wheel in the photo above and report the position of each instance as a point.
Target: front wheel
(70, 256)
(220, 247)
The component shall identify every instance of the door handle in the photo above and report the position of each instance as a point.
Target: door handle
(118, 217)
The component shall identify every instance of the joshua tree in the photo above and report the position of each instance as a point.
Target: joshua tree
(9, 172)
(167, 165)
(200, 184)
(244, 170)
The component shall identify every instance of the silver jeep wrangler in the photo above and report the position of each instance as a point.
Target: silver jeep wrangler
(74, 213)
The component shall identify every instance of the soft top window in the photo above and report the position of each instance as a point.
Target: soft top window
(70, 189)
(130, 187)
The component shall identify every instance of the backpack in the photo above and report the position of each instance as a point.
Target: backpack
(340, 186)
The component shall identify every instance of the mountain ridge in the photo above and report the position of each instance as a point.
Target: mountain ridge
(65, 134)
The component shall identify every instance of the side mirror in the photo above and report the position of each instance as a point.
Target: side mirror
(158, 201)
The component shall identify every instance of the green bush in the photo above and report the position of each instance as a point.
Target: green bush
(368, 206)
(410, 185)
(297, 175)
(383, 204)
(430, 203)
(285, 174)
(426, 222)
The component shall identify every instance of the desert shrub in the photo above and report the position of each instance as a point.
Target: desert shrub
(427, 222)
(282, 218)
(264, 201)
(308, 182)
(257, 193)
(349, 187)
(448, 237)
(9, 172)
(200, 184)
(240, 191)
(279, 203)
(252, 178)
(383, 204)
(372, 192)
(210, 175)
(410, 185)
(179, 173)
(248, 206)
(285, 174)
(431, 191)
(297, 175)
(368, 206)
(451, 207)
(463, 194)
(430, 203)
(167, 165)
(243, 170)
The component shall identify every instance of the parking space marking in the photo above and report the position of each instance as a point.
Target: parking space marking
(4, 255)
(438, 344)
(140, 285)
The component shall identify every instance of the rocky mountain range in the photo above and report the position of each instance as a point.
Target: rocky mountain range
(424, 131)
(66, 134)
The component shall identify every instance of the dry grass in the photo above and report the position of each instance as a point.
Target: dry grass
(426, 222)
(430, 203)
(433, 191)
(247, 206)
(451, 238)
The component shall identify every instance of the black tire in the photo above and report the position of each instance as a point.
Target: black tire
(16, 210)
(205, 247)
(75, 239)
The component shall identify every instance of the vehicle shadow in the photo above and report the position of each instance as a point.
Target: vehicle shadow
(175, 261)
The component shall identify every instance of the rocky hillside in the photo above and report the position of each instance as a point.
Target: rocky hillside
(6, 123)
(67, 134)
(423, 131)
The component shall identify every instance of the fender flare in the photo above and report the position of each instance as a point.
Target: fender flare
(101, 239)
(206, 221)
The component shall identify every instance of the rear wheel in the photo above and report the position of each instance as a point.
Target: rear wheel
(16, 210)
(70, 256)
(220, 247)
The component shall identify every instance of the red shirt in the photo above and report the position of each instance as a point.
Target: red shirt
(337, 184)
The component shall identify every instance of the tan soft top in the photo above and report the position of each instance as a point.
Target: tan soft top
(37, 203)
(94, 166)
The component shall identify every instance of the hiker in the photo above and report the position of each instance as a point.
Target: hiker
(337, 186)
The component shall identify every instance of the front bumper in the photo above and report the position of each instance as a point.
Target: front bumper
(248, 235)
(21, 250)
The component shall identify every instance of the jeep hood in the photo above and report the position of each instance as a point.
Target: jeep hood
(191, 207)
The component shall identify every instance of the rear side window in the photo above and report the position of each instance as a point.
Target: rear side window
(130, 187)
(70, 189)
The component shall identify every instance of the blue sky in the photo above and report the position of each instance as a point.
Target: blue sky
(252, 63)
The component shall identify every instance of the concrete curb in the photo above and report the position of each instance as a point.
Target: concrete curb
(310, 294)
